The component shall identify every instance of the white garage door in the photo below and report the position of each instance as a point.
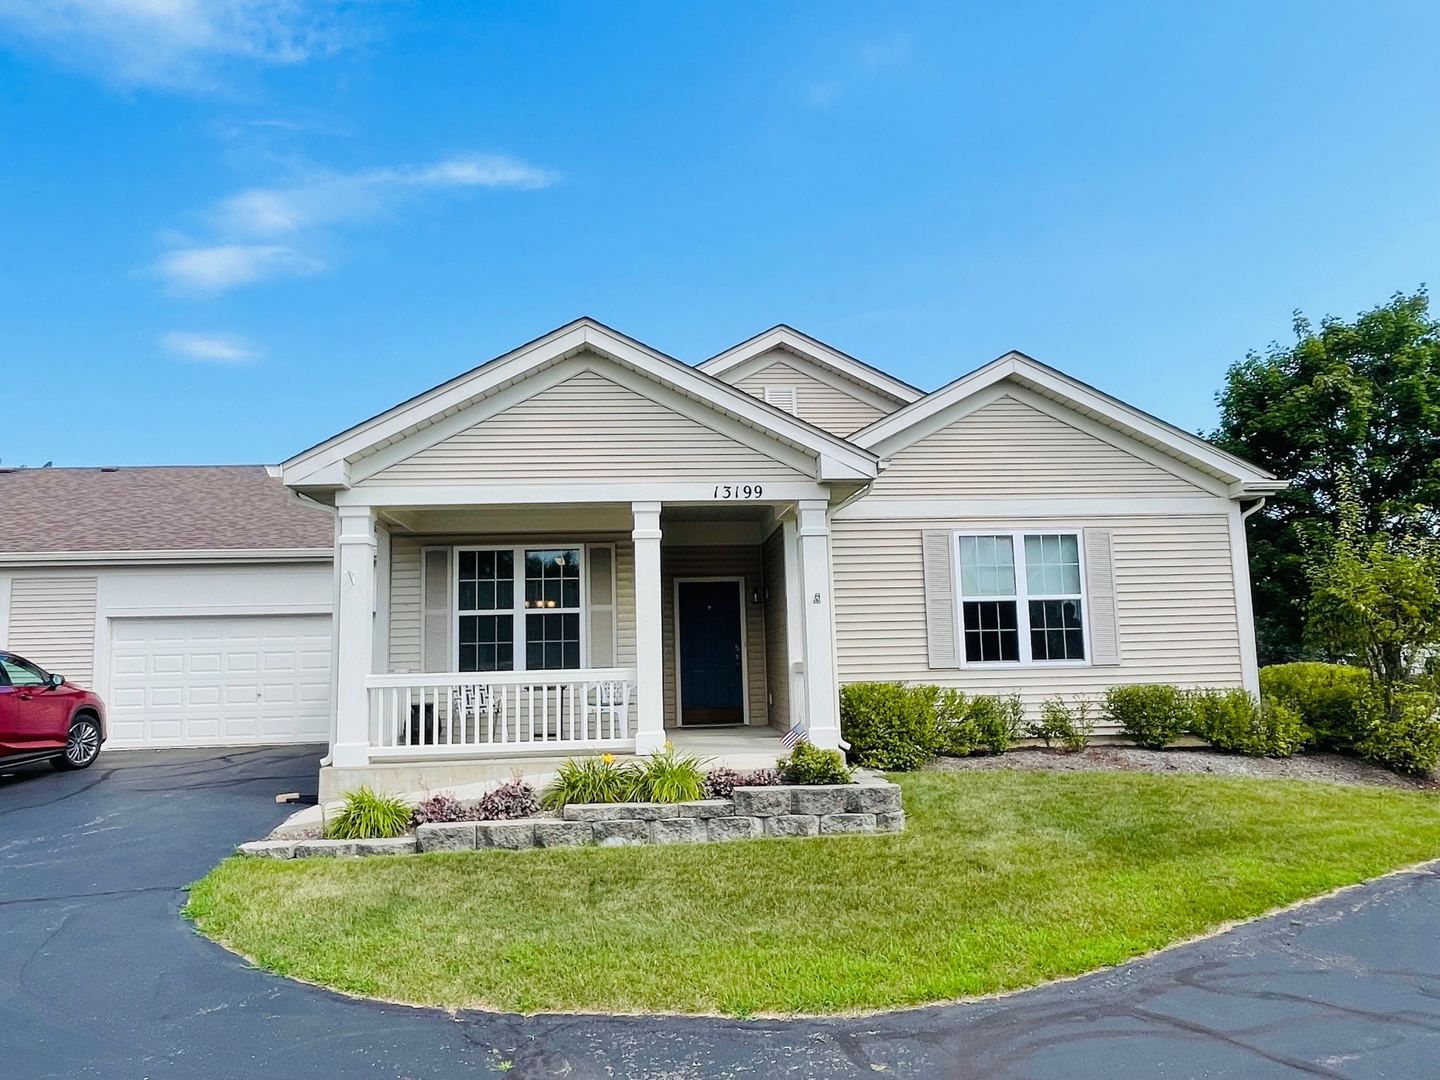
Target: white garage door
(219, 681)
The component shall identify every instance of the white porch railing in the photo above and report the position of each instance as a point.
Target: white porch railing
(502, 712)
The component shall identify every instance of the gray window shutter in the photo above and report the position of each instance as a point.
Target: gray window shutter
(602, 604)
(435, 610)
(939, 600)
(1100, 583)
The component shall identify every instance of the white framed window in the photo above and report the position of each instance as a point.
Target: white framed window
(519, 608)
(1021, 598)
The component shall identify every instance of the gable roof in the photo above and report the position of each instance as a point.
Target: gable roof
(327, 464)
(915, 421)
(817, 353)
(171, 508)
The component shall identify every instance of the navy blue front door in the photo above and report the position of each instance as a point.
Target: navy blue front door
(712, 679)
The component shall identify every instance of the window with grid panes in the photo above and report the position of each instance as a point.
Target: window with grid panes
(1021, 611)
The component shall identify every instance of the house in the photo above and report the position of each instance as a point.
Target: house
(196, 601)
(586, 545)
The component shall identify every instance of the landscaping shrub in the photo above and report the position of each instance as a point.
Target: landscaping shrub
(889, 725)
(668, 777)
(1068, 725)
(590, 780)
(512, 799)
(1233, 720)
(985, 722)
(1408, 740)
(810, 765)
(369, 816)
(441, 808)
(1332, 699)
(721, 783)
(1154, 715)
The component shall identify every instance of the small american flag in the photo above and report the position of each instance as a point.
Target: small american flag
(793, 736)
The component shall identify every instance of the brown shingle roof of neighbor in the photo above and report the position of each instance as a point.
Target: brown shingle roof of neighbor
(172, 508)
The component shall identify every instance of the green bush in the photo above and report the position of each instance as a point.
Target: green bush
(669, 777)
(1069, 725)
(889, 725)
(369, 816)
(1332, 699)
(810, 765)
(1408, 740)
(590, 780)
(1233, 720)
(1154, 715)
(996, 721)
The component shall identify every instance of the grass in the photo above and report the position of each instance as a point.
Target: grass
(1002, 880)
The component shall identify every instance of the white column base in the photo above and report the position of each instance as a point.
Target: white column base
(350, 755)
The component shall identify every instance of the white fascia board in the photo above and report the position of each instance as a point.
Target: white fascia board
(890, 433)
(328, 460)
(156, 558)
(817, 352)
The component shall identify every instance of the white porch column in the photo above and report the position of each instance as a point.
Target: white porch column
(354, 634)
(649, 652)
(822, 695)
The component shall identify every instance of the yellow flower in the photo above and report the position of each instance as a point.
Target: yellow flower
(609, 759)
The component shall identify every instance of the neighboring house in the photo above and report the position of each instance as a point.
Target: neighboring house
(585, 544)
(196, 601)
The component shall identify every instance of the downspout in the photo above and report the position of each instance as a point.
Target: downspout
(1245, 514)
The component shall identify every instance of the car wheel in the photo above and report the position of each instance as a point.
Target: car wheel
(82, 745)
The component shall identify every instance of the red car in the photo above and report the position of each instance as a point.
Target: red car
(44, 718)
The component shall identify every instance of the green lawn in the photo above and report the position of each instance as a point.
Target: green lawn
(1003, 880)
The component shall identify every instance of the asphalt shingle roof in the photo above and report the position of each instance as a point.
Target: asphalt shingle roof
(172, 508)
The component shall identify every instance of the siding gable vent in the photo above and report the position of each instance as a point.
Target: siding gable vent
(785, 398)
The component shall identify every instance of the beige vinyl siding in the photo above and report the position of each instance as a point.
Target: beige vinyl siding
(405, 591)
(1009, 450)
(817, 402)
(586, 428)
(777, 665)
(52, 623)
(405, 602)
(1175, 605)
(700, 562)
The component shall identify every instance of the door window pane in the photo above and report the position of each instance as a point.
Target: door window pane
(1052, 565)
(21, 674)
(552, 641)
(991, 632)
(987, 566)
(552, 579)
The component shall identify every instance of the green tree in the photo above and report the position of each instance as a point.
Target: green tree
(1376, 600)
(1358, 399)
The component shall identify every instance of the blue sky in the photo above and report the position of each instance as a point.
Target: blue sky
(231, 229)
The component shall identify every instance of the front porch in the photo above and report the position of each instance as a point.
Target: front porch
(476, 641)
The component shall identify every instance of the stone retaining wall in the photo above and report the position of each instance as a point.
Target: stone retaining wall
(821, 810)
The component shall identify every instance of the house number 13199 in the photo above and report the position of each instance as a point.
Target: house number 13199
(738, 491)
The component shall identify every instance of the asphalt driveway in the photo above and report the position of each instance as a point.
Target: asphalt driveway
(100, 977)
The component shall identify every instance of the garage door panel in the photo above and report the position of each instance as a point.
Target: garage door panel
(219, 681)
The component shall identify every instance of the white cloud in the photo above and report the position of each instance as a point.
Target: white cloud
(248, 226)
(209, 348)
(327, 198)
(175, 43)
(227, 266)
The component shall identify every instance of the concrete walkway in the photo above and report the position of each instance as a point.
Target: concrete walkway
(100, 977)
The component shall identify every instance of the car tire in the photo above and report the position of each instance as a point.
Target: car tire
(82, 745)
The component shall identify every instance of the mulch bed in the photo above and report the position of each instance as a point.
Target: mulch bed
(1332, 768)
